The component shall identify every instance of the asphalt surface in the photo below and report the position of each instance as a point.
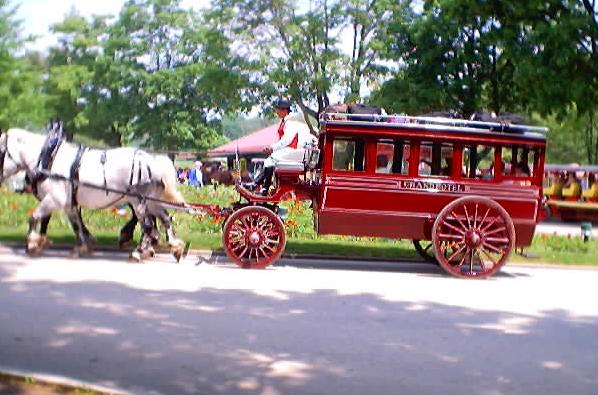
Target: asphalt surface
(301, 327)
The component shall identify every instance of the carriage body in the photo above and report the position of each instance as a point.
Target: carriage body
(468, 187)
(438, 164)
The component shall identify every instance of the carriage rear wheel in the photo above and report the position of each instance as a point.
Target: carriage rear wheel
(425, 248)
(254, 237)
(473, 237)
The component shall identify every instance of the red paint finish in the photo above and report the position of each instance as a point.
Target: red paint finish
(402, 206)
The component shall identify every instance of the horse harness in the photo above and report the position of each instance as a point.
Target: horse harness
(136, 177)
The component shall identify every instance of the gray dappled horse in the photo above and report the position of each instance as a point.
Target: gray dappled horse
(113, 171)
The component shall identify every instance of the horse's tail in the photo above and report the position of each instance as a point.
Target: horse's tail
(169, 180)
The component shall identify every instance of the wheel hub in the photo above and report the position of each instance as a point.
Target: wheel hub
(254, 238)
(473, 239)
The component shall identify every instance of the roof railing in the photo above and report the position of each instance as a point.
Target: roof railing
(440, 121)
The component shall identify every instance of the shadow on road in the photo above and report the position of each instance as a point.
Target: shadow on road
(232, 341)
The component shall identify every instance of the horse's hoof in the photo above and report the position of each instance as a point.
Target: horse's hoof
(33, 250)
(149, 253)
(85, 250)
(44, 242)
(179, 249)
(135, 257)
(74, 254)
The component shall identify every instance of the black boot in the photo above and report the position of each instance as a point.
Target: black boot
(268, 173)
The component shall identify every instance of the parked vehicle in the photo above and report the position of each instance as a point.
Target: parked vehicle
(571, 192)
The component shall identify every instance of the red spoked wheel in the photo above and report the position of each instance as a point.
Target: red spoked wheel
(473, 237)
(254, 237)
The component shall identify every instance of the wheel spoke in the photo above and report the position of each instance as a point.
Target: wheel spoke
(493, 248)
(456, 253)
(488, 256)
(453, 227)
(485, 216)
(493, 231)
(450, 236)
(467, 216)
(475, 216)
(489, 224)
(501, 240)
(482, 262)
(465, 228)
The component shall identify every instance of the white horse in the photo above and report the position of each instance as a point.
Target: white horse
(119, 175)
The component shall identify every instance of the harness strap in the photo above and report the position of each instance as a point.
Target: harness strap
(75, 175)
(3, 153)
(103, 162)
(133, 167)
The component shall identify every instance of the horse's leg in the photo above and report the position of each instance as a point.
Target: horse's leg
(177, 246)
(146, 228)
(127, 231)
(43, 232)
(91, 241)
(34, 244)
(82, 247)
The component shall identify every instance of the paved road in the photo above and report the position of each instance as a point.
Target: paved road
(328, 327)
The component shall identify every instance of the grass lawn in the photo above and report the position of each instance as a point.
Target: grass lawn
(10, 384)
(204, 232)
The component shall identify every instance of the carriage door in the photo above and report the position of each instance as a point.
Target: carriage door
(361, 194)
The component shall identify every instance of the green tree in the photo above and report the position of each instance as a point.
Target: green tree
(558, 63)
(22, 102)
(295, 47)
(454, 56)
(183, 75)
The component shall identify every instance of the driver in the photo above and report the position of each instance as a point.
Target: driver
(292, 139)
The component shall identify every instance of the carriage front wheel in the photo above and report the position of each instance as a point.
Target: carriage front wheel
(254, 237)
(473, 237)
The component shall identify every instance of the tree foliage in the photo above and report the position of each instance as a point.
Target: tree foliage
(166, 77)
(22, 101)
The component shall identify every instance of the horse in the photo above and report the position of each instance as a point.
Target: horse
(104, 178)
(215, 173)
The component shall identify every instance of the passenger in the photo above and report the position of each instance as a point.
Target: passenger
(522, 169)
(572, 188)
(383, 164)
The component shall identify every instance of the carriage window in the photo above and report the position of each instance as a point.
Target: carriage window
(435, 159)
(478, 162)
(392, 156)
(519, 161)
(348, 155)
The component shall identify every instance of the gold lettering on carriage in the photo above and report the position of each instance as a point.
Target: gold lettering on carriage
(431, 186)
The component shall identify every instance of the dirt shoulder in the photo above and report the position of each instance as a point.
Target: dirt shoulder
(11, 384)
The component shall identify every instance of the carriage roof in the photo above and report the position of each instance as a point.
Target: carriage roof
(432, 127)
(570, 168)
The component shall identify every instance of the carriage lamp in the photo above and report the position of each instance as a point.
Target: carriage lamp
(586, 231)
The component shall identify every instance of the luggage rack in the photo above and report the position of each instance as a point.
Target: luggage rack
(434, 123)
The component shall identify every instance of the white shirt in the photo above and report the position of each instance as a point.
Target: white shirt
(291, 129)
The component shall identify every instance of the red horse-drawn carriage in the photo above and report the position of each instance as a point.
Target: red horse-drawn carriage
(466, 192)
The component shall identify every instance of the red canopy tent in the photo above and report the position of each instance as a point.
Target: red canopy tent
(250, 145)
